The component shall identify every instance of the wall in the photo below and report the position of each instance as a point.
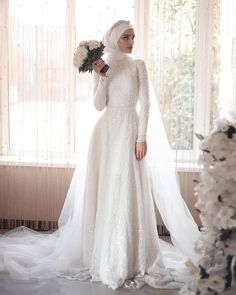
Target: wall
(34, 196)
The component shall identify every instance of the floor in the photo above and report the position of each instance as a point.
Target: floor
(67, 287)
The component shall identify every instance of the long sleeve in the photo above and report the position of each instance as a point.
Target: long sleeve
(99, 91)
(143, 100)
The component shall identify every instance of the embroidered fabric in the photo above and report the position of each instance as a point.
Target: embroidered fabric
(136, 74)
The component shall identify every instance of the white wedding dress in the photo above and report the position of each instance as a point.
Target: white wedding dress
(108, 229)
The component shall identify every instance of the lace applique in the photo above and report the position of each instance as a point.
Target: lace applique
(144, 100)
(128, 82)
(99, 91)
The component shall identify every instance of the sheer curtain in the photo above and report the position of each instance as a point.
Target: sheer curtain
(44, 93)
(44, 101)
(227, 86)
(191, 58)
(189, 47)
(35, 113)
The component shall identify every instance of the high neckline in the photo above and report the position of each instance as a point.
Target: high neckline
(118, 56)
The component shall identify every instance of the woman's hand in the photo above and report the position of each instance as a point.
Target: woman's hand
(140, 150)
(97, 66)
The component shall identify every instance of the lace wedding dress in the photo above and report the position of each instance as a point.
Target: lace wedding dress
(107, 227)
(120, 224)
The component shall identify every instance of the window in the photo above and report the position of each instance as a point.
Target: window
(45, 100)
(191, 65)
(172, 56)
(37, 85)
(191, 54)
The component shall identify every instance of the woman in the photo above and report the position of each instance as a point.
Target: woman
(107, 225)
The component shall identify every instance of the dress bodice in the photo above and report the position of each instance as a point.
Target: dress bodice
(122, 87)
(125, 85)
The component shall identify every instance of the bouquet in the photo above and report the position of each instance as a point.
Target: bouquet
(86, 53)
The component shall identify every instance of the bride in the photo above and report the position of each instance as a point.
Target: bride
(107, 227)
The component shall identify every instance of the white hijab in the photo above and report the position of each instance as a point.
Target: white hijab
(111, 38)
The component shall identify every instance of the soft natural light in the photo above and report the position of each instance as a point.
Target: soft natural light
(49, 103)
(227, 57)
(34, 13)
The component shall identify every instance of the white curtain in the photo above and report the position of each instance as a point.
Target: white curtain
(44, 94)
(43, 98)
(227, 86)
(44, 101)
(189, 47)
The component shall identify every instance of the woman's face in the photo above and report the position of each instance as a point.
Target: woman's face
(126, 41)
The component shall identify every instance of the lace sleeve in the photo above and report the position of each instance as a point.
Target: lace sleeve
(99, 91)
(143, 100)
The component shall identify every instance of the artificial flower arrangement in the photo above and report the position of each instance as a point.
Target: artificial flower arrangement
(86, 53)
(216, 204)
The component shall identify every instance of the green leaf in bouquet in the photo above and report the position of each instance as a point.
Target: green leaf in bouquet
(199, 136)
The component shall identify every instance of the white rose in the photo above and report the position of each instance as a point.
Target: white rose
(224, 128)
(192, 269)
(229, 199)
(224, 223)
(211, 237)
(206, 158)
(219, 141)
(213, 206)
(200, 205)
(203, 285)
(225, 212)
(219, 263)
(205, 262)
(222, 125)
(83, 52)
(217, 268)
(189, 264)
(80, 55)
(204, 144)
(220, 169)
(83, 43)
(217, 283)
(93, 44)
(220, 187)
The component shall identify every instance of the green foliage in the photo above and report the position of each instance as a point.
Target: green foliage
(93, 55)
(172, 63)
(199, 136)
